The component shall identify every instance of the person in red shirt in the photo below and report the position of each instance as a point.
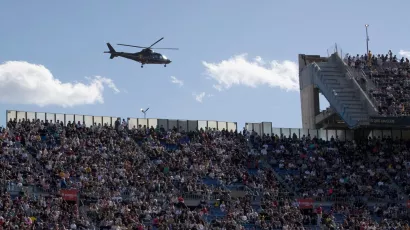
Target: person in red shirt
(155, 222)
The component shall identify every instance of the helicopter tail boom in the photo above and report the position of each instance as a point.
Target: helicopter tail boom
(112, 51)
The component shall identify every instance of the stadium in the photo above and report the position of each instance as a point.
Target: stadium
(346, 168)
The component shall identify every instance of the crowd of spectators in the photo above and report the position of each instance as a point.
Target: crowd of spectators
(127, 177)
(361, 171)
(137, 178)
(318, 168)
(390, 77)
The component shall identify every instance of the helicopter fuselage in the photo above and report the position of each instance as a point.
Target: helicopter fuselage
(145, 57)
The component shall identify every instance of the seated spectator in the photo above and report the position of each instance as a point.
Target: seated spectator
(390, 77)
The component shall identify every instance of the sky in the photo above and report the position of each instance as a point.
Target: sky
(237, 60)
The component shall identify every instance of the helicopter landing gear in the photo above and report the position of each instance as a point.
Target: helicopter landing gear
(142, 66)
(165, 65)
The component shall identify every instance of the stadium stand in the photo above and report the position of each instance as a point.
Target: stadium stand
(347, 168)
(63, 171)
(389, 78)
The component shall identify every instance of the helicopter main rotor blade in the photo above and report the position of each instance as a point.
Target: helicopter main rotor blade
(132, 46)
(156, 42)
(165, 48)
(142, 47)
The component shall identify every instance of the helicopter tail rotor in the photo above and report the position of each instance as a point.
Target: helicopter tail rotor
(112, 51)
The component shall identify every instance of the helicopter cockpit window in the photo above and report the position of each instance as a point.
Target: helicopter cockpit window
(163, 57)
(157, 56)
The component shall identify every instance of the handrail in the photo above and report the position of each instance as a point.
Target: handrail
(356, 84)
(367, 78)
(369, 81)
(374, 85)
(360, 88)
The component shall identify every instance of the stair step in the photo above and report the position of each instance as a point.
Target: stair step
(339, 88)
(356, 112)
(332, 76)
(356, 106)
(348, 108)
(346, 89)
(348, 96)
(337, 85)
(343, 97)
(326, 65)
(346, 101)
(329, 69)
(352, 103)
(330, 79)
(343, 93)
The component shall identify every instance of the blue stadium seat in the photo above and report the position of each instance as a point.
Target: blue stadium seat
(339, 218)
(250, 226)
(216, 211)
(210, 182)
(253, 171)
(376, 218)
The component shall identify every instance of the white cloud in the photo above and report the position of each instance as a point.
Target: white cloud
(25, 83)
(200, 97)
(404, 53)
(259, 60)
(239, 71)
(218, 87)
(177, 81)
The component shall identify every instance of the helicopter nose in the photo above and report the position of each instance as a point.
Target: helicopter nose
(169, 61)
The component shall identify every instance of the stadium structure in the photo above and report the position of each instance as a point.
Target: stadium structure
(273, 168)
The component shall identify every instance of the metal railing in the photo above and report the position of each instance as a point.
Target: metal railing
(351, 74)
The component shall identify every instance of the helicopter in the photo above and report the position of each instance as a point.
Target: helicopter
(145, 56)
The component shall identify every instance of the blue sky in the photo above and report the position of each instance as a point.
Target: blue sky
(69, 38)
